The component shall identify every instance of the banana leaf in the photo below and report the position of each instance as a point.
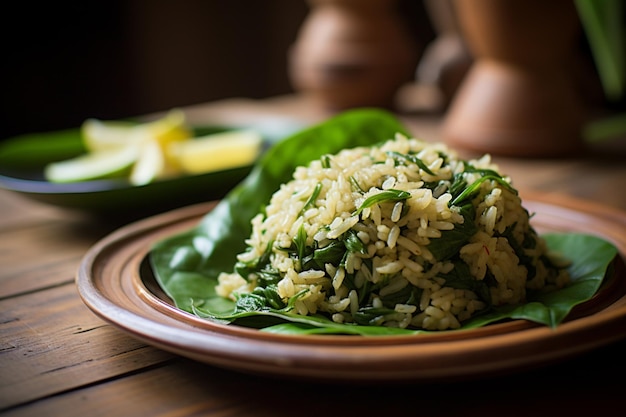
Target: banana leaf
(187, 265)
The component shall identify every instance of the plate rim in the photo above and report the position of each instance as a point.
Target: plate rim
(313, 358)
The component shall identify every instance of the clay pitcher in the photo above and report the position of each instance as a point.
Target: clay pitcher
(520, 97)
(352, 53)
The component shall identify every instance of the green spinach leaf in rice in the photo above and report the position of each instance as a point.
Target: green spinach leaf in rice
(370, 232)
(406, 251)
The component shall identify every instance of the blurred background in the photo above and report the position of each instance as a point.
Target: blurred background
(64, 62)
(67, 61)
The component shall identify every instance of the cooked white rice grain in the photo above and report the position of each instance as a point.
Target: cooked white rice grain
(393, 266)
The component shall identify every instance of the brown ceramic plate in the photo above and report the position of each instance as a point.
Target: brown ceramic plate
(115, 281)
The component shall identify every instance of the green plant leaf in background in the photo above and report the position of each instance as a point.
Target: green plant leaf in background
(603, 22)
(187, 265)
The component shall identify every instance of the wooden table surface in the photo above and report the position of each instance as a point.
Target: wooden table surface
(58, 358)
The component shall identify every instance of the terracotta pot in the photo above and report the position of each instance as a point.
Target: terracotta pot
(352, 53)
(446, 59)
(518, 98)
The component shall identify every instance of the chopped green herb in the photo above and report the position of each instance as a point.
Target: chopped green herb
(355, 185)
(312, 198)
(383, 196)
(300, 242)
(403, 158)
(369, 316)
(473, 188)
(451, 241)
(260, 266)
(407, 295)
(353, 243)
(325, 159)
(461, 278)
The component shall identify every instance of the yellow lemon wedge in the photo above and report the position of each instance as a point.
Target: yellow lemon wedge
(117, 148)
(100, 135)
(150, 164)
(166, 131)
(145, 152)
(171, 128)
(91, 166)
(218, 151)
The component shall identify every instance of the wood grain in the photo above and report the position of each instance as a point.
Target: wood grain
(112, 284)
(185, 388)
(51, 343)
(58, 358)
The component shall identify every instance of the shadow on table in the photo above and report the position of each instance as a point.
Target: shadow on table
(560, 388)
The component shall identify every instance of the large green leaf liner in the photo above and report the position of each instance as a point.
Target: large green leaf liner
(187, 265)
